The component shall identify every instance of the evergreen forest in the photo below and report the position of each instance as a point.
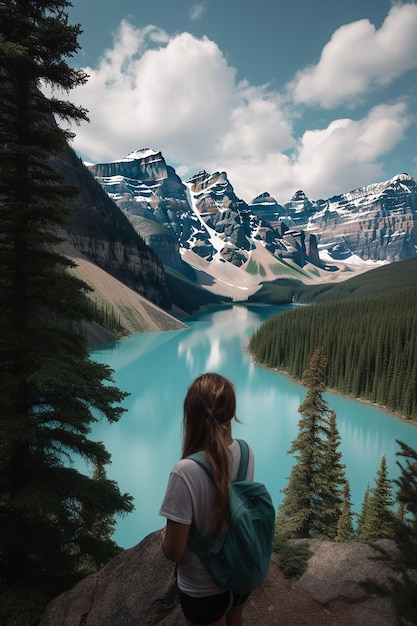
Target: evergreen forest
(368, 329)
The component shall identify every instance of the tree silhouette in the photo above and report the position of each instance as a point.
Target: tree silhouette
(51, 393)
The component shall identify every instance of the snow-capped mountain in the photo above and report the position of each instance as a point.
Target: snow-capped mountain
(376, 222)
(202, 223)
(203, 214)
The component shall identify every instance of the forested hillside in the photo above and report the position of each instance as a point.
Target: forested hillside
(368, 333)
(381, 280)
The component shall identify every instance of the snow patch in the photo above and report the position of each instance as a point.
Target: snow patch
(352, 259)
(215, 240)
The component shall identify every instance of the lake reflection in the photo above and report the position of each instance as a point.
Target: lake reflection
(157, 368)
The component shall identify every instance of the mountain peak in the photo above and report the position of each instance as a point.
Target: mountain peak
(299, 196)
(264, 198)
(404, 177)
(204, 216)
(142, 153)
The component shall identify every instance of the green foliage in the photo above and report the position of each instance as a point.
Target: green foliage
(252, 267)
(345, 529)
(401, 586)
(293, 557)
(187, 295)
(51, 393)
(332, 481)
(362, 530)
(278, 292)
(100, 524)
(370, 343)
(312, 502)
(105, 315)
(376, 518)
(379, 281)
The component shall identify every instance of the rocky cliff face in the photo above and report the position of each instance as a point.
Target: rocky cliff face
(377, 222)
(203, 215)
(100, 231)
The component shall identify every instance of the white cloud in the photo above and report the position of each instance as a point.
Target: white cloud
(340, 157)
(258, 124)
(181, 98)
(346, 154)
(359, 58)
(175, 97)
(179, 95)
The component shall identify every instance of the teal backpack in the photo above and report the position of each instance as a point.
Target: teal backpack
(239, 560)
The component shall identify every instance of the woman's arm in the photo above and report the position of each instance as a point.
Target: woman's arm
(174, 539)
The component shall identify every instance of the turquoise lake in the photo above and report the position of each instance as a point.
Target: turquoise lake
(157, 368)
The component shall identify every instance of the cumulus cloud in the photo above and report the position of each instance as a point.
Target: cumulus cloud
(179, 95)
(359, 58)
(346, 154)
(153, 91)
(258, 124)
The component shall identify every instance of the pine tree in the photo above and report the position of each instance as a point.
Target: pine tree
(99, 527)
(380, 514)
(312, 503)
(345, 529)
(332, 480)
(362, 531)
(376, 520)
(51, 393)
(401, 586)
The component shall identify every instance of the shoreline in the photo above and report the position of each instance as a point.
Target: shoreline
(390, 412)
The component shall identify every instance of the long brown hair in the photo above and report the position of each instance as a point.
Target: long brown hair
(209, 407)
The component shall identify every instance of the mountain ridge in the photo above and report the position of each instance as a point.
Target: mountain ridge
(324, 239)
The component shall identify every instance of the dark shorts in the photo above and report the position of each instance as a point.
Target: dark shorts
(209, 609)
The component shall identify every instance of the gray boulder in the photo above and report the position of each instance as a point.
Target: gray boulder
(332, 578)
(130, 590)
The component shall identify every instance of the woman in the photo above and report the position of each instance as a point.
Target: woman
(193, 496)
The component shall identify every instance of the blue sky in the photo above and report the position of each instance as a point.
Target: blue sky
(318, 95)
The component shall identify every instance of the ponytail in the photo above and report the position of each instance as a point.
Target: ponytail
(209, 407)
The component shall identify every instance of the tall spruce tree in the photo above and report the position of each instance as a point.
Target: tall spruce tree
(376, 519)
(51, 393)
(332, 480)
(345, 529)
(312, 499)
(380, 512)
(363, 530)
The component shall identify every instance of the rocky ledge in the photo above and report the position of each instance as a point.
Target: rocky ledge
(132, 588)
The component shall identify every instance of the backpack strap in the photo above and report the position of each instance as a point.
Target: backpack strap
(202, 460)
(195, 538)
(244, 460)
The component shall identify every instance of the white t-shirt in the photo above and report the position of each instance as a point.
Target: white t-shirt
(189, 498)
